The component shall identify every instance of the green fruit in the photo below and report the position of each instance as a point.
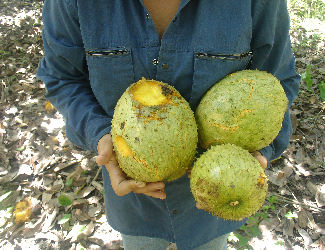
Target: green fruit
(245, 108)
(154, 132)
(228, 182)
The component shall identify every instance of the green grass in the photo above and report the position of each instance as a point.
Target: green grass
(308, 8)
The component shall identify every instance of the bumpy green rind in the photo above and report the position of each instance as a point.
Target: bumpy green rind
(245, 108)
(163, 137)
(225, 175)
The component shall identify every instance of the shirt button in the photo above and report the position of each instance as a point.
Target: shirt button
(165, 66)
(147, 16)
(155, 61)
(174, 211)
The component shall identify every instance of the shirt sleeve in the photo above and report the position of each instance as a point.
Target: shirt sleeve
(64, 72)
(272, 52)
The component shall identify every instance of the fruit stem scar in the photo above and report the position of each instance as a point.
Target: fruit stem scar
(234, 203)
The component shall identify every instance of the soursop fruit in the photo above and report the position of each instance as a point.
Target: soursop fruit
(245, 108)
(154, 132)
(228, 182)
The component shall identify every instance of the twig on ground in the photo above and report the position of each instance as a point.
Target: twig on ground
(98, 172)
(298, 202)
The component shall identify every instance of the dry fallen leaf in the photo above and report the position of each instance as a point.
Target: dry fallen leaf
(288, 226)
(303, 218)
(80, 215)
(320, 196)
(307, 240)
(277, 177)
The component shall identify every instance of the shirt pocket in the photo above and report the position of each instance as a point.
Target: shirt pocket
(210, 68)
(111, 71)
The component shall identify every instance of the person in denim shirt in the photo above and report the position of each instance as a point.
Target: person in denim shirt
(93, 50)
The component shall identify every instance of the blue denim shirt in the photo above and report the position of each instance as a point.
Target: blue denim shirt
(95, 49)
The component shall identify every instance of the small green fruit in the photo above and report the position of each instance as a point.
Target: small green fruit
(228, 182)
(154, 132)
(245, 108)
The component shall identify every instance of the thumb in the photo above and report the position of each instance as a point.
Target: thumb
(104, 149)
(102, 159)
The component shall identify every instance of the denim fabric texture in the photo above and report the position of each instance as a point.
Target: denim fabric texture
(95, 49)
(147, 243)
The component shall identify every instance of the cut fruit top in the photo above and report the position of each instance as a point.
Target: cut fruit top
(150, 93)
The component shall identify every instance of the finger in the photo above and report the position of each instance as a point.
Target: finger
(261, 159)
(189, 172)
(198, 206)
(120, 183)
(155, 185)
(154, 189)
(126, 186)
(158, 194)
(150, 187)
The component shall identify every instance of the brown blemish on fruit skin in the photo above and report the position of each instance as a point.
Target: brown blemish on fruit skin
(152, 117)
(199, 182)
(122, 125)
(166, 91)
(250, 93)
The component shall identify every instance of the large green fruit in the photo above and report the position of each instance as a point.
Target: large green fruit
(245, 108)
(154, 132)
(228, 182)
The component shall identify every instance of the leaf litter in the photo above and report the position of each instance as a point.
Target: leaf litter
(39, 166)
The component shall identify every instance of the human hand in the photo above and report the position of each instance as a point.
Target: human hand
(261, 159)
(121, 184)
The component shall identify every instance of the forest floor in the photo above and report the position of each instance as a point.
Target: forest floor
(62, 185)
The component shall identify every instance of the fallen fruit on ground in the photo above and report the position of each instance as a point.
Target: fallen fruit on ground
(228, 182)
(23, 211)
(245, 108)
(154, 132)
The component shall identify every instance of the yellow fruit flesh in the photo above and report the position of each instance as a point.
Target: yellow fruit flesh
(123, 147)
(148, 93)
